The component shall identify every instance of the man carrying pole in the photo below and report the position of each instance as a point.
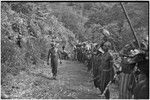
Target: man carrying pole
(123, 78)
(126, 76)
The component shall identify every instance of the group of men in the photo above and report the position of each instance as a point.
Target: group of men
(100, 59)
(80, 51)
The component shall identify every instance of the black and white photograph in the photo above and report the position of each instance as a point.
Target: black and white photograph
(74, 49)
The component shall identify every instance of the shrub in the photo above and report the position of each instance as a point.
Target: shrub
(11, 58)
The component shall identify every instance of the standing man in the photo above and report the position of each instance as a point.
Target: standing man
(79, 52)
(106, 70)
(96, 64)
(83, 48)
(74, 53)
(54, 60)
(127, 82)
(126, 77)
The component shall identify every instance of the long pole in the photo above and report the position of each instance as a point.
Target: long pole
(125, 12)
(106, 88)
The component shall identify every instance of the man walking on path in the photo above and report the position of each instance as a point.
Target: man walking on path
(54, 60)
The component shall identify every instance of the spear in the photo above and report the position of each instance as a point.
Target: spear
(132, 29)
(106, 88)
(124, 10)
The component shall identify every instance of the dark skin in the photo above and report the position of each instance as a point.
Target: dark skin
(54, 61)
(49, 54)
(106, 48)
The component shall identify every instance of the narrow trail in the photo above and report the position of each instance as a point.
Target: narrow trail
(72, 83)
(76, 80)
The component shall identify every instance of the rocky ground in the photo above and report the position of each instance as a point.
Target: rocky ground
(72, 83)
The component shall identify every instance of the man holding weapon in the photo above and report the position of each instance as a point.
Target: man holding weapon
(127, 79)
(102, 65)
(105, 90)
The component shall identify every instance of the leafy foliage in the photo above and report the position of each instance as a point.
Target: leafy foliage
(66, 23)
(32, 23)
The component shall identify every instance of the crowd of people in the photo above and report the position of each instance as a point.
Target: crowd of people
(130, 65)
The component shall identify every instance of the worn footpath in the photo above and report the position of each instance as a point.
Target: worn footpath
(72, 82)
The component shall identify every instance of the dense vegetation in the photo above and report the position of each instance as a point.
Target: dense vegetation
(27, 28)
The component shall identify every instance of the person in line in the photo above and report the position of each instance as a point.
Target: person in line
(127, 81)
(106, 69)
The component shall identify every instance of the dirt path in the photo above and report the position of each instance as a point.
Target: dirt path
(72, 82)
